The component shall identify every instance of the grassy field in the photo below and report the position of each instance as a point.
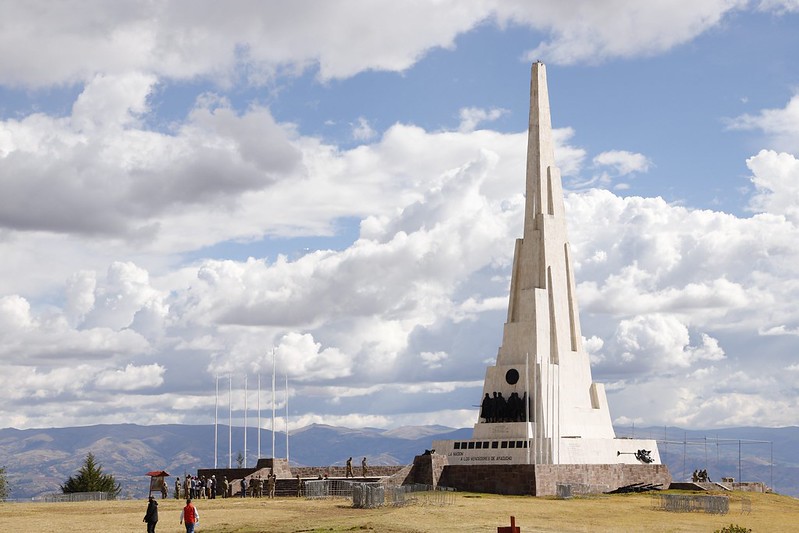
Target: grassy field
(465, 513)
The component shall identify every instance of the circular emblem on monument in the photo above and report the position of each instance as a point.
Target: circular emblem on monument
(512, 376)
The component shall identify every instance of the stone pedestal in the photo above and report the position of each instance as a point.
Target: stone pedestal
(427, 469)
(280, 467)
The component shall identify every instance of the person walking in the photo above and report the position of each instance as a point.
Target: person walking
(189, 516)
(151, 516)
(349, 468)
(363, 467)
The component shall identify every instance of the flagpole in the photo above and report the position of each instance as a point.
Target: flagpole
(287, 419)
(550, 399)
(539, 413)
(216, 422)
(230, 421)
(558, 420)
(245, 421)
(273, 403)
(259, 416)
(551, 410)
(527, 402)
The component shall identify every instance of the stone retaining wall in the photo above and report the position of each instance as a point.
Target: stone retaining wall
(341, 471)
(612, 476)
(282, 471)
(433, 469)
(492, 479)
(542, 480)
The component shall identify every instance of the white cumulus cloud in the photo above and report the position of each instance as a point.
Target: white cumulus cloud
(781, 126)
(131, 378)
(471, 117)
(776, 180)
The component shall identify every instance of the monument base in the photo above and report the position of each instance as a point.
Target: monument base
(535, 480)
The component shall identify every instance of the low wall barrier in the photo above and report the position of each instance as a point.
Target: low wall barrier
(682, 503)
(567, 490)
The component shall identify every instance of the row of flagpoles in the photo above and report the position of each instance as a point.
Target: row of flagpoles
(230, 417)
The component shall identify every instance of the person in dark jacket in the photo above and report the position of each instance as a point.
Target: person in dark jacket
(151, 516)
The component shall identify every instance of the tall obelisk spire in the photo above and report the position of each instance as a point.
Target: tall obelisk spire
(539, 403)
(540, 150)
(542, 339)
(544, 245)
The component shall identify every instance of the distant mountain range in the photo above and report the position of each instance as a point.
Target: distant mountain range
(37, 461)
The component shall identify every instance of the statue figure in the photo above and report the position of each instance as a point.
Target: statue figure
(485, 408)
(643, 456)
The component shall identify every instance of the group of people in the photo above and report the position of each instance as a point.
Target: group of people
(196, 487)
(200, 487)
(501, 409)
(700, 476)
(255, 487)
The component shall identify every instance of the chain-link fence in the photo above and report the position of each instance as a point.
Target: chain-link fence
(683, 503)
(371, 495)
(78, 497)
(327, 488)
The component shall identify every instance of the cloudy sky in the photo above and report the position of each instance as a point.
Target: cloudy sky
(187, 186)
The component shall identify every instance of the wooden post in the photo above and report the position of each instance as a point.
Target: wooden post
(509, 529)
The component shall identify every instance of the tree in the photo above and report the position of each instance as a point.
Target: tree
(240, 459)
(90, 478)
(3, 484)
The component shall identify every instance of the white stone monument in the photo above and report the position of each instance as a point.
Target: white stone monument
(566, 420)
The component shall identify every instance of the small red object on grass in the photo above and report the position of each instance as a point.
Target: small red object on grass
(512, 528)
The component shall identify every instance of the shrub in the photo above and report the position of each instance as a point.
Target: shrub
(733, 528)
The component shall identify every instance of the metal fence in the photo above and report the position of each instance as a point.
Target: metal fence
(368, 495)
(435, 496)
(681, 503)
(371, 495)
(327, 488)
(78, 497)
